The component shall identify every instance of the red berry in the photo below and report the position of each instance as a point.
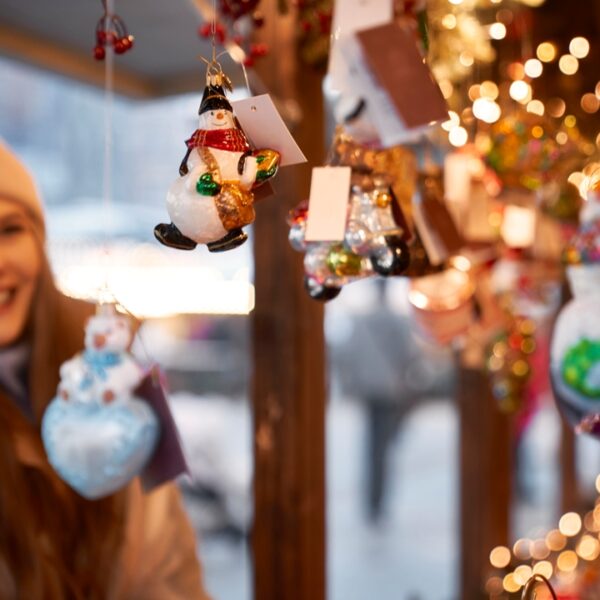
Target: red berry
(249, 61)
(306, 26)
(99, 53)
(258, 20)
(204, 30)
(119, 47)
(238, 39)
(100, 37)
(258, 50)
(127, 42)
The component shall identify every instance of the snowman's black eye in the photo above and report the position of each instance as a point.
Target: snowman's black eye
(212, 112)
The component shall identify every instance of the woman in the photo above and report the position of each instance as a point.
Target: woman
(55, 545)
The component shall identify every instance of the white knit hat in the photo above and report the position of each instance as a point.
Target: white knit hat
(17, 184)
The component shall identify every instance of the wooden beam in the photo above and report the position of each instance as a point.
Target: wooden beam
(47, 55)
(485, 479)
(288, 539)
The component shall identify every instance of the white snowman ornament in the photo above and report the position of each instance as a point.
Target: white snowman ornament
(97, 434)
(212, 199)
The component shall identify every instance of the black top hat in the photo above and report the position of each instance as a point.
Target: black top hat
(214, 99)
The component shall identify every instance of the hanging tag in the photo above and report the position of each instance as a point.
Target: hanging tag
(168, 460)
(265, 128)
(350, 16)
(380, 110)
(391, 52)
(328, 204)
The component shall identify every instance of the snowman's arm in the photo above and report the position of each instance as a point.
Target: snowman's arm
(183, 168)
(248, 172)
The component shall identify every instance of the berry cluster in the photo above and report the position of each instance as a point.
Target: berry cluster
(111, 31)
(229, 13)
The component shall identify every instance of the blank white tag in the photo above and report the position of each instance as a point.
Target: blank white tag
(328, 204)
(265, 128)
(350, 16)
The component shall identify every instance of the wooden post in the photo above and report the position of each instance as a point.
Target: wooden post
(485, 479)
(288, 538)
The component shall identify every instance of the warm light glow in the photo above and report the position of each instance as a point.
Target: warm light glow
(535, 107)
(455, 2)
(537, 132)
(562, 138)
(555, 540)
(488, 89)
(588, 548)
(533, 68)
(510, 584)
(567, 561)
(568, 64)
(597, 90)
(570, 524)
(590, 103)
(518, 231)
(556, 107)
(533, 3)
(520, 91)
(449, 21)
(500, 557)
(516, 70)
(597, 488)
(523, 574)
(546, 52)
(505, 16)
(466, 59)
(493, 586)
(539, 550)
(453, 121)
(474, 92)
(522, 549)
(579, 47)
(180, 291)
(458, 136)
(497, 31)
(447, 88)
(544, 568)
(570, 121)
(486, 110)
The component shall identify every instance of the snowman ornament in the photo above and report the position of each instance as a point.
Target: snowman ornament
(97, 434)
(212, 199)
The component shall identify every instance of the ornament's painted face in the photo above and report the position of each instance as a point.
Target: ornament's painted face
(216, 119)
(107, 333)
(20, 266)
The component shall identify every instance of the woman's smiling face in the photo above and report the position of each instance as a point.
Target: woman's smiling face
(20, 265)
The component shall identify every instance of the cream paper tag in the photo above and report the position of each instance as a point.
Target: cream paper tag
(328, 204)
(265, 128)
(350, 16)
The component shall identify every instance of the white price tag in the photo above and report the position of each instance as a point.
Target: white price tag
(328, 204)
(350, 16)
(265, 128)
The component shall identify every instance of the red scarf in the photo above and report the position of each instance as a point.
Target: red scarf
(232, 140)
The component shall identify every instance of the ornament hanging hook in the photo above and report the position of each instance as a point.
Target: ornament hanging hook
(529, 588)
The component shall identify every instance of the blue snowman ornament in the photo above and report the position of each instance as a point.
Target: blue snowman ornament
(97, 434)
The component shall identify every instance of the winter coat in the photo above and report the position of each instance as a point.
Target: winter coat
(157, 559)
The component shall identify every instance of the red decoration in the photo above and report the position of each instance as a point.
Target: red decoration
(111, 31)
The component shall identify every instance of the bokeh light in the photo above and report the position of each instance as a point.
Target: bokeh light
(500, 557)
(570, 524)
(568, 64)
(533, 68)
(579, 47)
(458, 136)
(536, 107)
(497, 31)
(546, 52)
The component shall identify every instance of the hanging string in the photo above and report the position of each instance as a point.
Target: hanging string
(108, 144)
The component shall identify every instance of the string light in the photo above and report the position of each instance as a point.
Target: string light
(570, 524)
(546, 52)
(449, 21)
(536, 107)
(500, 557)
(567, 561)
(555, 540)
(474, 92)
(520, 91)
(556, 107)
(523, 574)
(486, 110)
(590, 103)
(488, 89)
(544, 568)
(562, 138)
(568, 64)
(510, 584)
(497, 31)
(570, 121)
(466, 59)
(533, 68)
(458, 136)
(579, 47)
(453, 121)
